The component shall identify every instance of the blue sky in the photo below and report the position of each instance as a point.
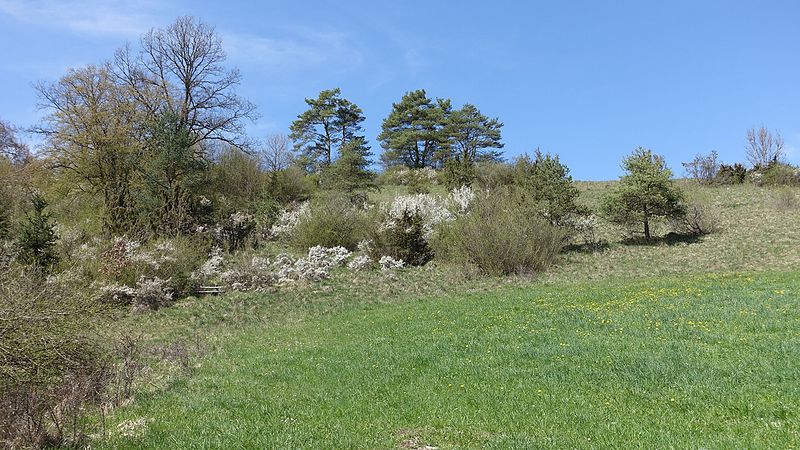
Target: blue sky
(587, 80)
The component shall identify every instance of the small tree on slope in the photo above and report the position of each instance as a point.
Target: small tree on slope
(645, 192)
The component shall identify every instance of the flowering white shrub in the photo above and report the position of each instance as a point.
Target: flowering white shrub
(163, 252)
(255, 276)
(461, 198)
(149, 293)
(587, 227)
(365, 246)
(389, 263)
(360, 262)
(288, 220)
(431, 209)
(152, 293)
(116, 293)
(210, 268)
(335, 256)
(261, 274)
(405, 176)
(314, 267)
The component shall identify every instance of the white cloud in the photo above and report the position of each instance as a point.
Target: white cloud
(92, 17)
(294, 49)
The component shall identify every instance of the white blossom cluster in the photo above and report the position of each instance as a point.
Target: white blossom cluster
(261, 273)
(256, 276)
(584, 223)
(431, 209)
(360, 262)
(461, 198)
(389, 263)
(315, 266)
(149, 293)
(588, 227)
(240, 218)
(210, 268)
(406, 176)
(163, 252)
(288, 220)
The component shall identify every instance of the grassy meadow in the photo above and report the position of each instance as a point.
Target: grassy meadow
(681, 343)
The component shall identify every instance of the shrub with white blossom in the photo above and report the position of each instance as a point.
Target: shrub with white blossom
(389, 263)
(359, 263)
(211, 268)
(152, 294)
(588, 228)
(288, 220)
(431, 209)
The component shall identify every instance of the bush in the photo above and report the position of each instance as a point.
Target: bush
(502, 235)
(779, 174)
(734, 174)
(785, 199)
(402, 238)
(51, 364)
(419, 181)
(703, 168)
(493, 175)
(697, 221)
(289, 185)
(457, 173)
(332, 221)
(126, 264)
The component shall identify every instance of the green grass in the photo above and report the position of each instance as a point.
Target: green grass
(706, 361)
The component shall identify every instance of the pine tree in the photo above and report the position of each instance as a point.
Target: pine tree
(320, 132)
(473, 136)
(414, 134)
(38, 238)
(547, 180)
(645, 192)
(350, 172)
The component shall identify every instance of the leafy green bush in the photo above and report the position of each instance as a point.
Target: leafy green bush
(502, 235)
(51, 362)
(492, 175)
(333, 221)
(780, 174)
(734, 174)
(457, 173)
(289, 185)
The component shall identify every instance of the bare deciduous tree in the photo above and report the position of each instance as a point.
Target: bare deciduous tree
(10, 146)
(763, 147)
(181, 68)
(703, 168)
(276, 155)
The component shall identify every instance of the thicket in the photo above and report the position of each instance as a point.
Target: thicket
(503, 234)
